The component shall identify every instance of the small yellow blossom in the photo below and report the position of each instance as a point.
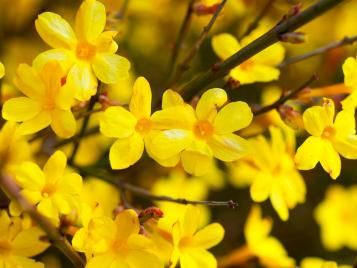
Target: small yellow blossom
(87, 53)
(270, 166)
(131, 128)
(18, 244)
(330, 137)
(117, 243)
(350, 72)
(205, 131)
(47, 101)
(2, 70)
(14, 149)
(191, 244)
(53, 191)
(312, 262)
(259, 68)
(337, 218)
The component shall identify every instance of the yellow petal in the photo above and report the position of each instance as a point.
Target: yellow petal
(126, 152)
(55, 31)
(228, 147)
(309, 153)
(209, 236)
(317, 118)
(2, 70)
(174, 117)
(65, 98)
(38, 123)
(232, 117)
(20, 261)
(127, 223)
(47, 208)
(140, 103)
(330, 160)
(347, 147)
(30, 176)
(62, 56)
(279, 204)
(20, 109)
(117, 122)
(70, 183)
(197, 258)
(254, 73)
(105, 261)
(82, 81)
(105, 42)
(28, 242)
(207, 105)
(168, 143)
(197, 159)
(345, 123)
(190, 221)
(350, 71)
(270, 56)
(63, 123)
(90, 20)
(29, 82)
(171, 98)
(55, 166)
(261, 188)
(225, 45)
(111, 68)
(140, 258)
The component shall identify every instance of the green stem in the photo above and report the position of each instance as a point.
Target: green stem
(220, 70)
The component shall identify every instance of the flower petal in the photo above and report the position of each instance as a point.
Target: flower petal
(225, 45)
(279, 204)
(2, 70)
(209, 236)
(36, 124)
(175, 117)
(90, 20)
(28, 242)
(30, 176)
(105, 42)
(48, 209)
(330, 160)
(126, 152)
(207, 105)
(55, 166)
(228, 147)
(140, 103)
(127, 223)
(317, 118)
(232, 117)
(20, 109)
(117, 122)
(197, 258)
(309, 153)
(111, 68)
(62, 56)
(254, 73)
(261, 188)
(29, 82)
(55, 31)
(63, 123)
(347, 147)
(350, 72)
(190, 221)
(171, 98)
(140, 258)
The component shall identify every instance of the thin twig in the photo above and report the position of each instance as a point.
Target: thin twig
(76, 142)
(136, 190)
(10, 187)
(343, 42)
(252, 26)
(220, 70)
(285, 97)
(124, 7)
(182, 33)
(185, 64)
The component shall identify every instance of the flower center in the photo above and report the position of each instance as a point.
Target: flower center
(329, 132)
(49, 104)
(143, 126)
(85, 51)
(203, 129)
(5, 248)
(48, 190)
(185, 242)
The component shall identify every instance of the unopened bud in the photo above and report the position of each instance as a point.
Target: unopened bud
(291, 117)
(202, 9)
(150, 213)
(293, 38)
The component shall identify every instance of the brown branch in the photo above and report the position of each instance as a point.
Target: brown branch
(257, 19)
(185, 64)
(285, 97)
(343, 42)
(59, 241)
(220, 70)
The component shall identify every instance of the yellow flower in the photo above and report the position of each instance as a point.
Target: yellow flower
(53, 191)
(2, 70)
(337, 218)
(14, 149)
(117, 243)
(191, 244)
(268, 249)
(87, 53)
(312, 262)
(350, 72)
(47, 101)
(204, 132)
(329, 138)
(131, 128)
(259, 68)
(18, 244)
(271, 168)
